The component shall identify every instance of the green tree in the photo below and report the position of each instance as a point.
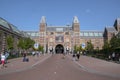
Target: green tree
(107, 48)
(75, 48)
(25, 43)
(89, 47)
(10, 42)
(21, 44)
(115, 42)
(80, 48)
(41, 48)
(28, 43)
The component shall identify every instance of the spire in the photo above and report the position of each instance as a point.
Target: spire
(75, 19)
(43, 20)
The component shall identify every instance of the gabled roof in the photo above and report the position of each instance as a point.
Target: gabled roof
(110, 29)
(59, 28)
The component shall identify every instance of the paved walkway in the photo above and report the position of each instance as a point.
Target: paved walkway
(56, 67)
(16, 65)
(87, 64)
(94, 65)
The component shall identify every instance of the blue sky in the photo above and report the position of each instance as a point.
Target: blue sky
(92, 14)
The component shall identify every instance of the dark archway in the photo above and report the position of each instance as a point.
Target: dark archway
(59, 49)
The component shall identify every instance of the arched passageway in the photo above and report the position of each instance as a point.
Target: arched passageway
(59, 49)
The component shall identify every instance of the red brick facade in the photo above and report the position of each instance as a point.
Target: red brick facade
(69, 36)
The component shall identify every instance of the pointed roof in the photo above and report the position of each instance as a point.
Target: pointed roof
(75, 19)
(43, 19)
(118, 21)
(110, 29)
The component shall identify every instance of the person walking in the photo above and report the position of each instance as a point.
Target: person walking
(113, 56)
(33, 53)
(2, 60)
(24, 56)
(73, 56)
(109, 57)
(117, 57)
(78, 55)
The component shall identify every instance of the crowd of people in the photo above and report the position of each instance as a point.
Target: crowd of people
(3, 58)
(76, 56)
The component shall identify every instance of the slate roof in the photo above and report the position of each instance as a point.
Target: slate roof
(6, 25)
(91, 34)
(58, 28)
(111, 29)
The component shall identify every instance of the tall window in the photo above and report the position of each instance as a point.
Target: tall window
(90, 34)
(85, 34)
(81, 34)
(59, 38)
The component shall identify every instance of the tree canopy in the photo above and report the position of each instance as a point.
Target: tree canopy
(10, 42)
(115, 43)
(89, 46)
(25, 43)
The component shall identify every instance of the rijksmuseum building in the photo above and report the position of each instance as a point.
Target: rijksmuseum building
(64, 38)
(59, 38)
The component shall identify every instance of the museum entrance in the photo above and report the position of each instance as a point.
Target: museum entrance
(59, 49)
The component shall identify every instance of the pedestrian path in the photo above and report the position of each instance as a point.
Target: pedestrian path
(99, 66)
(16, 65)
